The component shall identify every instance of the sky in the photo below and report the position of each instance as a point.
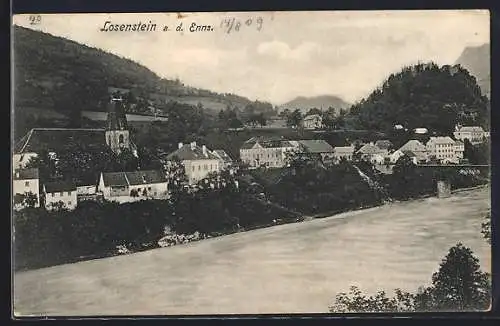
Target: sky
(342, 53)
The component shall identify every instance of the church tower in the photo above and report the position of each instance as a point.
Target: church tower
(117, 134)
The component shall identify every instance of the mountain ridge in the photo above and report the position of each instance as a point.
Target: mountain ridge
(476, 59)
(322, 102)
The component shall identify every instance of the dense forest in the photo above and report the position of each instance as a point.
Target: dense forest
(424, 95)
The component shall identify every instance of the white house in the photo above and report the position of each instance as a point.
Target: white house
(312, 121)
(474, 134)
(372, 153)
(266, 152)
(445, 149)
(26, 181)
(198, 161)
(225, 160)
(345, 152)
(123, 187)
(395, 156)
(60, 193)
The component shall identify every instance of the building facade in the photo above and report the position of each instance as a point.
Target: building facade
(445, 149)
(312, 121)
(343, 152)
(198, 161)
(26, 181)
(124, 187)
(60, 194)
(474, 134)
(266, 152)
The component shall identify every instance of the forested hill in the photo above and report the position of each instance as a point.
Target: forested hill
(56, 73)
(476, 59)
(424, 95)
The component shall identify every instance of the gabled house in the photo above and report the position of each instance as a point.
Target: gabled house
(312, 121)
(60, 194)
(414, 146)
(475, 134)
(372, 153)
(316, 149)
(225, 160)
(198, 161)
(395, 156)
(26, 181)
(132, 186)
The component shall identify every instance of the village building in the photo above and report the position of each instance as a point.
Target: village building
(312, 121)
(26, 181)
(315, 149)
(395, 156)
(372, 153)
(445, 149)
(343, 152)
(124, 187)
(115, 137)
(474, 134)
(414, 146)
(198, 161)
(60, 194)
(268, 152)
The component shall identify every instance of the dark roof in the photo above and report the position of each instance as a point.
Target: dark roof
(25, 174)
(223, 155)
(383, 144)
(58, 186)
(316, 146)
(56, 139)
(117, 120)
(114, 179)
(409, 153)
(267, 142)
(133, 178)
(141, 177)
(195, 153)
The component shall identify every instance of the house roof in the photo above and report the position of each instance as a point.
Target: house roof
(58, 186)
(316, 146)
(56, 139)
(267, 142)
(413, 145)
(312, 116)
(186, 153)
(471, 129)
(25, 174)
(133, 178)
(344, 149)
(409, 153)
(223, 155)
(383, 144)
(370, 149)
(442, 140)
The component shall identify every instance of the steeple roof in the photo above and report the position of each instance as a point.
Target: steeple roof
(117, 119)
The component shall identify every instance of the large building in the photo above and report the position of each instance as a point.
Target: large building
(115, 137)
(26, 181)
(132, 186)
(268, 152)
(445, 149)
(316, 149)
(474, 134)
(198, 161)
(312, 121)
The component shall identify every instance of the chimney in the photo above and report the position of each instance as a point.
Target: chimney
(204, 148)
(180, 145)
(193, 145)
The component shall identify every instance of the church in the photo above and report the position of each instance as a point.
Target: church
(115, 136)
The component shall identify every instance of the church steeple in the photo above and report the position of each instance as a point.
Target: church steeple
(117, 134)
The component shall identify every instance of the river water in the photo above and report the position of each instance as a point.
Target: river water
(294, 268)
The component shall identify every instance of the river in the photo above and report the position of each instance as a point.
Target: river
(293, 268)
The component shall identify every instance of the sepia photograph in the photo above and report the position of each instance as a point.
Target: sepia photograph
(242, 163)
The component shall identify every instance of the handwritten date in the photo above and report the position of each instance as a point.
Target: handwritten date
(232, 24)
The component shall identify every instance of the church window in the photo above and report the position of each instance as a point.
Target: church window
(27, 184)
(120, 139)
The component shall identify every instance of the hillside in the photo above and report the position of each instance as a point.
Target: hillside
(424, 95)
(62, 75)
(477, 61)
(319, 102)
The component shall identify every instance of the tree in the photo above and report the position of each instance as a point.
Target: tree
(294, 119)
(486, 227)
(314, 111)
(458, 285)
(45, 163)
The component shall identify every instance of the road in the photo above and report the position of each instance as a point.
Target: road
(282, 269)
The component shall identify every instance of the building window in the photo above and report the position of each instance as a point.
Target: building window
(69, 203)
(53, 194)
(120, 139)
(69, 193)
(193, 168)
(27, 184)
(199, 167)
(61, 194)
(149, 188)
